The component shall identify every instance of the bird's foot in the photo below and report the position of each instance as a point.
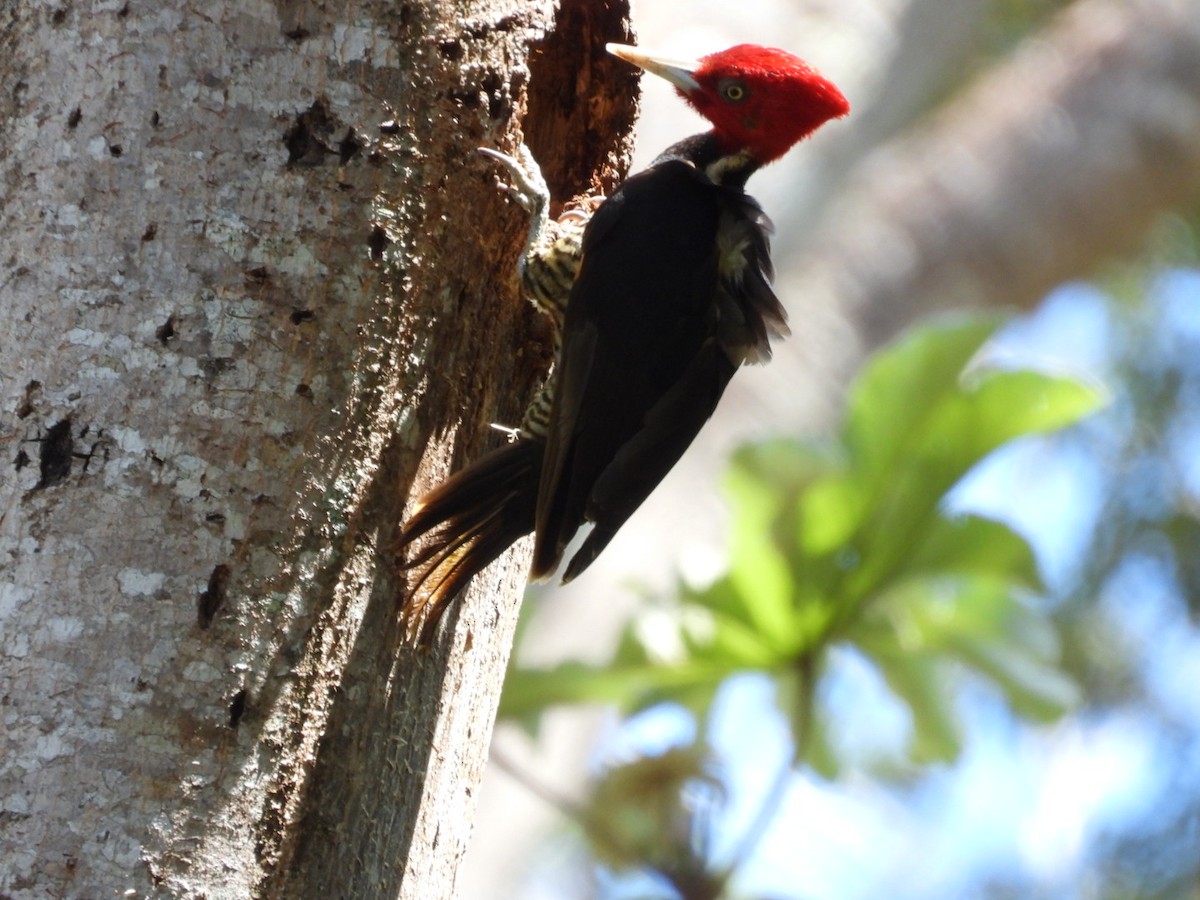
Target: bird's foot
(528, 186)
(513, 434)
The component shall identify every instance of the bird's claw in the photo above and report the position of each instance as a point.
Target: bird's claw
(513, 434)
(528, 187)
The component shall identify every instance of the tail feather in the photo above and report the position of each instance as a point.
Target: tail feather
(463, 525)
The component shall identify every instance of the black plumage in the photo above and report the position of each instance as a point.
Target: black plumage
(672, 295)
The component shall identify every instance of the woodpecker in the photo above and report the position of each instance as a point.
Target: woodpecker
(657, 298)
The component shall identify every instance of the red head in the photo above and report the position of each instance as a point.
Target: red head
(758, 99)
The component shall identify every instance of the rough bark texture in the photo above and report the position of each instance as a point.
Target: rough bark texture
(255, 280)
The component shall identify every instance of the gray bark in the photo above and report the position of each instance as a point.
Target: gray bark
(240, 316)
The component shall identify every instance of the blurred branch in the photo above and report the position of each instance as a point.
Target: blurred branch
(925, 52)
(1054, 162)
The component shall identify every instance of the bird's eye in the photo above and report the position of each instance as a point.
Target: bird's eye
(733, 90)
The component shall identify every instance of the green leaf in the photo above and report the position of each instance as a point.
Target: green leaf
(784, 464)
(917, 428)
(1005, 404)
(796, 699)
(972, 544)
(892, 401)
(1034, 688)
(818, 751)
(761, 579)
(830, 512)
(922, 684)
(768, 581)
(1183, 532)
(971, 622)
(530, 691)
(716, 627)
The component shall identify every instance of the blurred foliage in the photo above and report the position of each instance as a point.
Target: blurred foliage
(1172, 243)
(1141, 564)
(998, 29)
(849, 543)
(655, 813)
(1011, 21)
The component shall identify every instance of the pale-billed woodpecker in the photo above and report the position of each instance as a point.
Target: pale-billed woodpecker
(657, 298)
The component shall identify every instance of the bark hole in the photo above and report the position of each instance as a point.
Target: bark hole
(166, 330)
(25, 408)
(378, 242)
(349, 147)
(499, 101)
(307, 141)
(214, 595)
(55, 459)
(237, 708)
(258, 275)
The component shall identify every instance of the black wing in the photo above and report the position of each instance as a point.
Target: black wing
(658, 321)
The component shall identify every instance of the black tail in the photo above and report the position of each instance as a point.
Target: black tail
(467, 522)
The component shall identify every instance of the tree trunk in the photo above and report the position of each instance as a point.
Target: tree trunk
(256, 283)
